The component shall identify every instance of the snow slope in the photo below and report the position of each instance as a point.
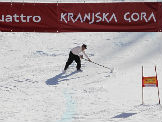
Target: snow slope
(33, 88)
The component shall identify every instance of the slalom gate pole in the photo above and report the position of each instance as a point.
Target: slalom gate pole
(99, 64)
(150, 81)
(158, 95)
(157, 86)
(142, 86)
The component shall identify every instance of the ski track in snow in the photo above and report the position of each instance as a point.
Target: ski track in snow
(34, 89)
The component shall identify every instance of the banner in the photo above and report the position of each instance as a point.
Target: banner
(81, 17)
(105, 17)
(160, 17)
(28, 17)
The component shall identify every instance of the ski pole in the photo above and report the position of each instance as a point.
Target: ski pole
(100, 65)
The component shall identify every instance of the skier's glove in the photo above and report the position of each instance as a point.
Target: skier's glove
(81, 56)
(89, 60)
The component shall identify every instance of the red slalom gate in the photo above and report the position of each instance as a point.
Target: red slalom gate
(81, 17)
(150, 82)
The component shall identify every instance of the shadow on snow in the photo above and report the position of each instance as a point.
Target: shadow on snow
(59, 78)
(124, 115)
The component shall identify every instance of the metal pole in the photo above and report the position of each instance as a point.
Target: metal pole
(142, 95)
(157, 86)
(155, 71)
(142, 85)
(158, 95)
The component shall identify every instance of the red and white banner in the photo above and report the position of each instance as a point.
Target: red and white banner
(28, 17)
(110, 16)
(81, 17)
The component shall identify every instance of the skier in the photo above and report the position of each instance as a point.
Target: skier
(75, 55)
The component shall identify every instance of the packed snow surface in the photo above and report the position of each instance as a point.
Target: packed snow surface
(34, 89)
